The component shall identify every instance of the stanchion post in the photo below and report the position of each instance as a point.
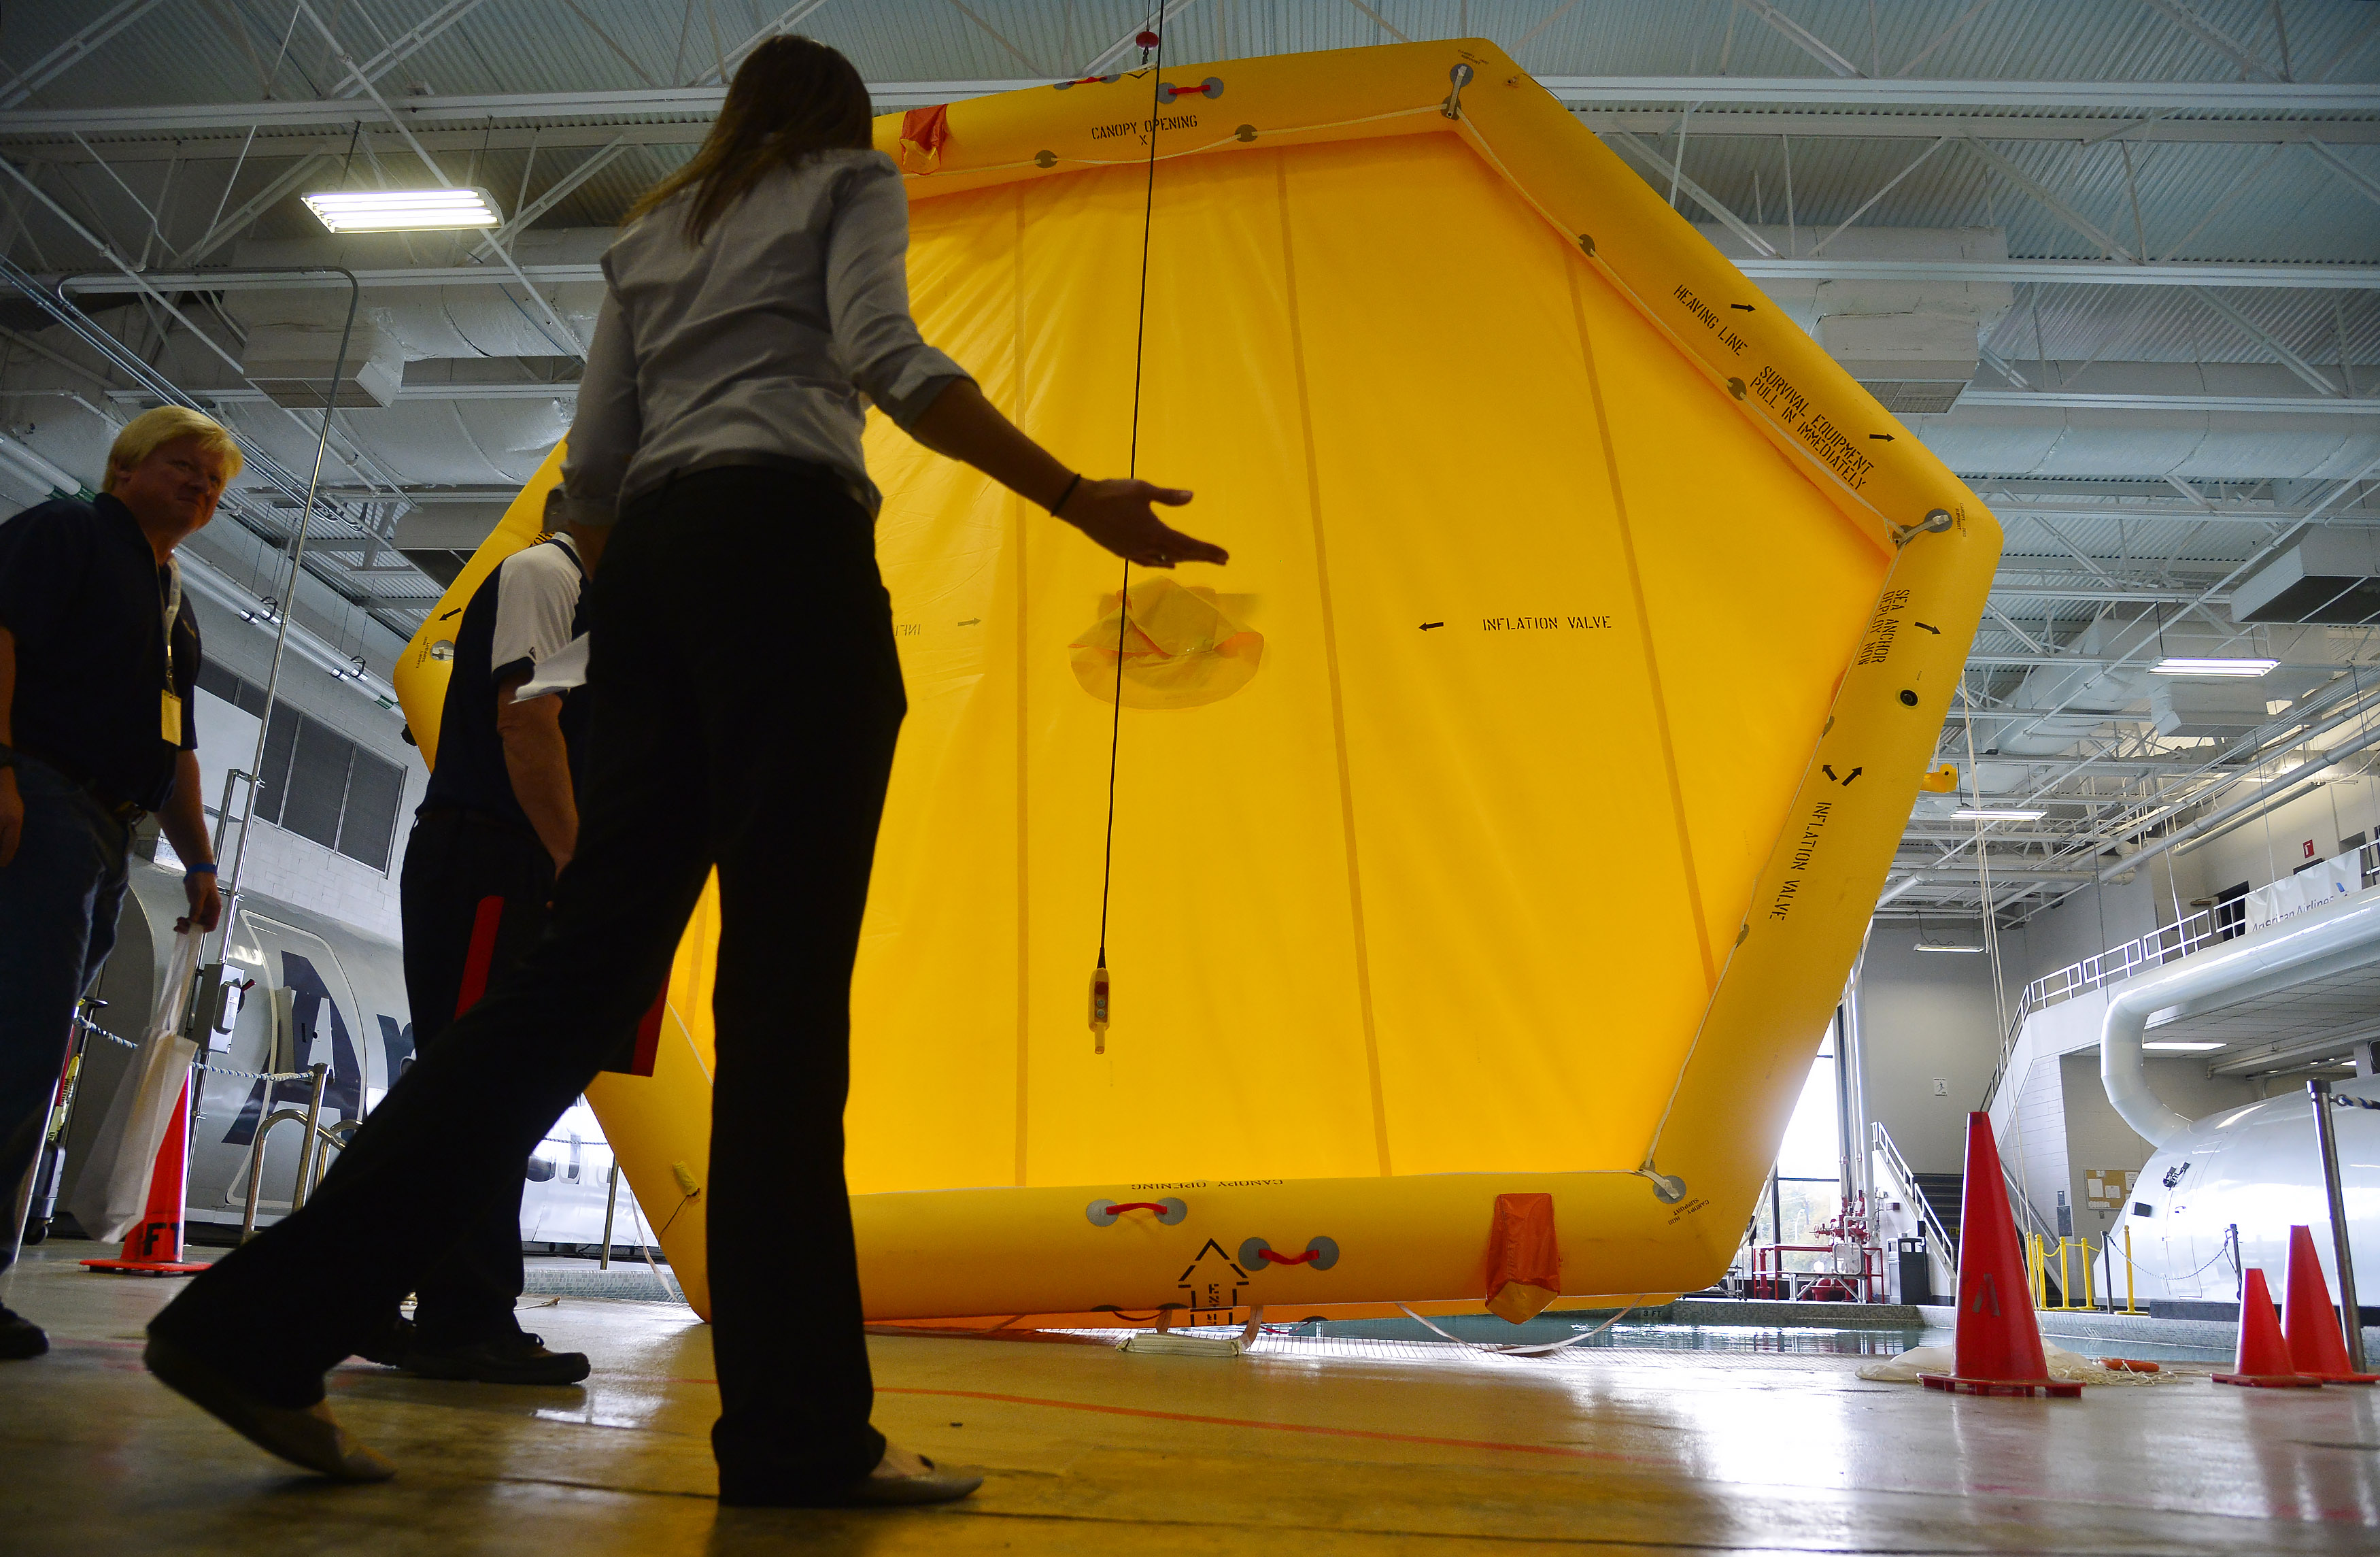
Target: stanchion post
(306, 1149)
(2328, 1145)
(2129, 1306)
(610, 1205)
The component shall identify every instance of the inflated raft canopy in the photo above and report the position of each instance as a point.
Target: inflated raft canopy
(1502, 822)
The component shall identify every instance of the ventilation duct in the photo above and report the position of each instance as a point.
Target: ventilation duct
(436, 322)
(1914, 345)
(296, 363)
(2182, 708)
(2329, 576)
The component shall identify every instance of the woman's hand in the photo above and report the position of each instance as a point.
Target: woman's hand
(1119, 516)
(962, 424)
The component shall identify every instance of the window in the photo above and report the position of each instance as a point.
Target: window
(317, 783)
(1806, 1187)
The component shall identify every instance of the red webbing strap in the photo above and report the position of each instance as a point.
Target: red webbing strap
(482, 955)
(1136, 1206)
(648, 1036)
(1274, 1257)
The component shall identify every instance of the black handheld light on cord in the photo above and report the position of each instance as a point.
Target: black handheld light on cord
(1152, 39)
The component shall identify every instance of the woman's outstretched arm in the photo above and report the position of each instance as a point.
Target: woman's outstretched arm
(962, 425)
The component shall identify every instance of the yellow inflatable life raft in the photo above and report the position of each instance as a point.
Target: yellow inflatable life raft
(1495, 831)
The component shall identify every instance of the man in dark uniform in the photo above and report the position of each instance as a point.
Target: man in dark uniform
(99, 653)
(498, 823)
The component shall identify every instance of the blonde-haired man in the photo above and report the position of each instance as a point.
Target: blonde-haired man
(99, 652)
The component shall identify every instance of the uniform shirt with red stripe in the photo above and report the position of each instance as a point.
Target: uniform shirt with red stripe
(524, 613)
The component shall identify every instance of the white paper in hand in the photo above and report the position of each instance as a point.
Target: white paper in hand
(559, 672)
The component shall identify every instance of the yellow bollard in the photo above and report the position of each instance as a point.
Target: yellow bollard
(2128, 1270)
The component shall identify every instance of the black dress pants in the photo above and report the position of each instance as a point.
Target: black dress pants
(747, 701)
(474, 895)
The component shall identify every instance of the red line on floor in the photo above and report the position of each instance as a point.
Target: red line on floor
(1556, 1449)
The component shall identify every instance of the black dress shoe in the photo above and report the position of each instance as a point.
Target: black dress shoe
(388, 1345)
(20, 1337)
(518, 1359)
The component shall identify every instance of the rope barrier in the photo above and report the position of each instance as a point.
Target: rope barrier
(94, 1028)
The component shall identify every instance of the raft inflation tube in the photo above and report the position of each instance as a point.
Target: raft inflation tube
(1501, 823)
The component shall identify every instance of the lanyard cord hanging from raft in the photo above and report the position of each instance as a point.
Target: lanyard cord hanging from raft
(1154, 37)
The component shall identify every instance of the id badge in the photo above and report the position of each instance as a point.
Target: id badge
(169, 719)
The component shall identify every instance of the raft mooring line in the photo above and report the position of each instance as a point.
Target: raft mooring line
(1099, 977)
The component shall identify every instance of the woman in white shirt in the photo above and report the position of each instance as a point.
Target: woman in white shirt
(746, 699)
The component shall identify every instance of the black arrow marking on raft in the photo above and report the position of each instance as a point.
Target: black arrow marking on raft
(1742, 308)
(1852, 774)
(457, 611)
(1426, 626)
(972, 622)
(1881, 437)
(1929, 627)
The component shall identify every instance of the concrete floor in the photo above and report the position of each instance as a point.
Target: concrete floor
(1317, 1449)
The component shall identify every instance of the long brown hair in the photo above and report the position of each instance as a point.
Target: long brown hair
(791, 97)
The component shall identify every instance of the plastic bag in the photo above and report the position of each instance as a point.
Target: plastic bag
(2067, 1368)
(112, 1192)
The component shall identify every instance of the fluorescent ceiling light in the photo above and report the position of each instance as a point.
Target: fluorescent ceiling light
(1938, 946)
(2180, 1045)
(1997, 813)
(2180, 664)
(403, 211)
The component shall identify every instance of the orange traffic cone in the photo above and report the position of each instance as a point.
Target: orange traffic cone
(2264, 1359)
(1998, 1347)
(2317, 1347)
(154, 1246)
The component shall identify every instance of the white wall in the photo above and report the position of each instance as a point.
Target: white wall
(1926, 1016)
(2094, 918)
(2264, 850)
(2033, 1144)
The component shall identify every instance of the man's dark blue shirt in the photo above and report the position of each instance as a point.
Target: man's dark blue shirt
(85, 596)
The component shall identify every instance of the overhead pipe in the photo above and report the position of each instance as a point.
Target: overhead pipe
(2246, 809)
(2319, 946)
(2011, 873)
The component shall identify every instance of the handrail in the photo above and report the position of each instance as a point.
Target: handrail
(323, 1138)
(2021, 1204)
(1927, 1217)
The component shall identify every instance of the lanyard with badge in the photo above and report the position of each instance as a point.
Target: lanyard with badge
(170, 708)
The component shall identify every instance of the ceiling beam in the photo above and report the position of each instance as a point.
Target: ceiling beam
(2263, 405)
(2083, 273)
(2284, 101)
(225, 143)
(1802, 38)
(2349, 278)
(2231, 97)
(81, 45)
(2214, 37)
(412, 41)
